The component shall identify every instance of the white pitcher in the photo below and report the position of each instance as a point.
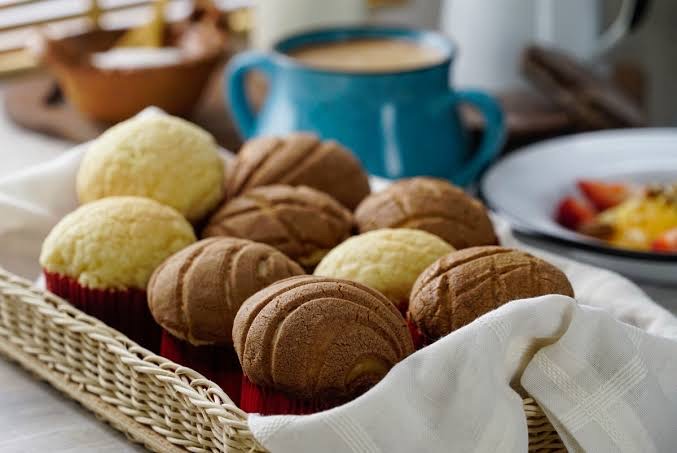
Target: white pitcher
(275, 19)
(491, 34)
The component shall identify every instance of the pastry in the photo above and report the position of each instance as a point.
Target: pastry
(195, 294)
(388, 260)
(299, 159)
(309, 343)
(428, 204)
(464, 285)
(301, 222)
(101, 256)
(157, 156)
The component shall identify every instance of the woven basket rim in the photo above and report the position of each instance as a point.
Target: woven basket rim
(21, 296)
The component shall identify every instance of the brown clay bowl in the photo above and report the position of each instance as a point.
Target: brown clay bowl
(112, 95)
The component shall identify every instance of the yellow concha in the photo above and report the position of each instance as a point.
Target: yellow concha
(388, 260)
(157, 156)
(115, 243)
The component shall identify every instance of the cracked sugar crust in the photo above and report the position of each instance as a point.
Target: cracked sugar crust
(299, 159)
(432, 205)
(115, 242)
(464, 285)
(301, 222)
(388, 260)
(195, 293)
(161, 157)
(319, 337)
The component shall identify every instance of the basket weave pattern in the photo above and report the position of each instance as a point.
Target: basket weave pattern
(166, 407)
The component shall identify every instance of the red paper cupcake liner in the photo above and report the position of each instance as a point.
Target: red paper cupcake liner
(420, 340)
(124, 310)
(403, 307)
(218, 363)
(265, 401)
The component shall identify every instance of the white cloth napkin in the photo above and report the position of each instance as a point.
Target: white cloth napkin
(605, 385)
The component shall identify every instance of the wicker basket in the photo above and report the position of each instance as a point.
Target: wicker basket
(153, 401)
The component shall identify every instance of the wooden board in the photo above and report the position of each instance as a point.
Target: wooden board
(529, 117)
(36, 103)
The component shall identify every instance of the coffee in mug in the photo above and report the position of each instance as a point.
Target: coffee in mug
(367, 55)
(383, 92)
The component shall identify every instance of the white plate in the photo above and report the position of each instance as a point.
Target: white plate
(527, 185)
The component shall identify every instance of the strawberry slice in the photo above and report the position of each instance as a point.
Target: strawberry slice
(573, 212)
(666, 242)
(604, 195)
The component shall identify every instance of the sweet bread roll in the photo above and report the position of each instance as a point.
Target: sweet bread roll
(464, 285)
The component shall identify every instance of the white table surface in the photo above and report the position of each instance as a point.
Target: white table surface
(36, 418)
(33, 416)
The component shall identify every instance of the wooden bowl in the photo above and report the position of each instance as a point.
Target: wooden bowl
(112, 95)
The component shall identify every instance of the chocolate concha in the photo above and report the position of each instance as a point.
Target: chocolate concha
(299, 159)
(195, 293)
(464, 285)
(301, 222)
(321, 337)
(432, 205)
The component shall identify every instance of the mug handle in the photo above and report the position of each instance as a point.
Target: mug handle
(492, 139)
(631, 14)
(243, 115)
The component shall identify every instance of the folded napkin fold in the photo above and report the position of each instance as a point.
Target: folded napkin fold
(604, 369)
(605, 385)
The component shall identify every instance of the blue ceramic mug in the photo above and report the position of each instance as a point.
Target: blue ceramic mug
(400, 123)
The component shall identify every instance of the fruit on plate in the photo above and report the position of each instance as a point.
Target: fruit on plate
(640, 220)
(604, 195)
(627, 216)
(574, 212)
(666, 242)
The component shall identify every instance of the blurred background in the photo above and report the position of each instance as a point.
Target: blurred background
(650, 47)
